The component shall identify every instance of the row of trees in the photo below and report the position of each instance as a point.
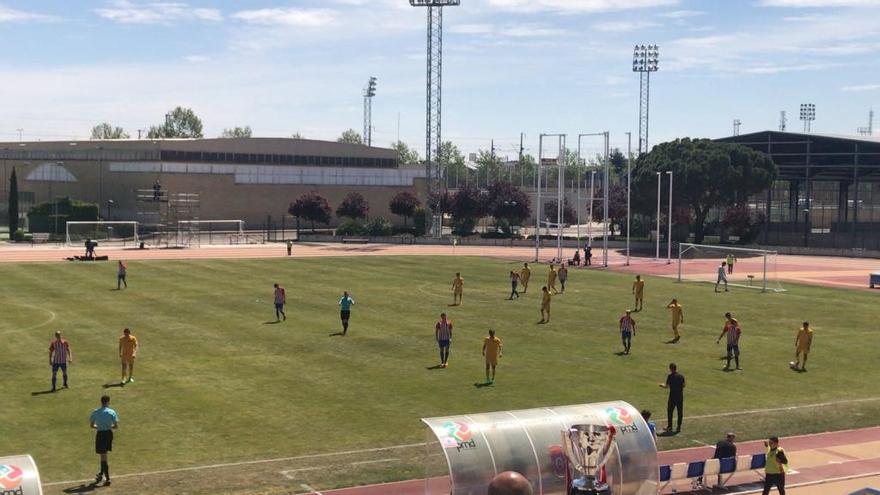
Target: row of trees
(314, 208)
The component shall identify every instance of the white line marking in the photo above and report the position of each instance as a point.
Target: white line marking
(310, 489)
(704, 444)
(361, 463)
(52, 317)
(777, 409)
(286, 472)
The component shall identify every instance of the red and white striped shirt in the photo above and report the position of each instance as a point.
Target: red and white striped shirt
(444, 330)
(60, 350)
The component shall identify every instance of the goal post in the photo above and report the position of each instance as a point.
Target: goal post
(752, 268)
(107, 232)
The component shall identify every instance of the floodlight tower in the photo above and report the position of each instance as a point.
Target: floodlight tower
(868, 131)
(646, 60)
(433, 166)
(736, 124)
(369, 93)
(783, 121)
(808, 115)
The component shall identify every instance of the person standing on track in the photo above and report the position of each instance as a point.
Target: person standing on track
(104, 420)
(627, 330)
(677, 319)
(345, 310)
(491, 351)
(59, 356)
(563, 275)
(121, 271)
(639, 291)
(733, 331)
(722, 277)
(443, 336)
(731, 259)
(457, 289)
(802, 344)
(524, 275)
(514, 281)
(675, 385)
(128, 347)
(775, 467)
(280, 301)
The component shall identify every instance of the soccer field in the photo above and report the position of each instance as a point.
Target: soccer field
(217, 381)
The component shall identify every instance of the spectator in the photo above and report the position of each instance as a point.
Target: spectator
(577, 257)
(510, 483)
(725, 449)
(646, 415)
(588, 256)
(731, 259)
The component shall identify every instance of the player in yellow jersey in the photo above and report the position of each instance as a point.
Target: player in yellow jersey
(545, 305)
(677, 319)
(457, 289)
(551, 279)
(639, 292)
(492, 351)
(128, 347)
(524, 275)
(802, 344)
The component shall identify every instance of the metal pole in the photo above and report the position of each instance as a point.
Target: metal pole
(764, 289)
(657, 232)
(560, 196)
(679, 262)
(579, 193)
(605, 206)
(669, 223)
(592, 192)
(628, 189)
(538, 195)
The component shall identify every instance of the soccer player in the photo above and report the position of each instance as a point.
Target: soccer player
(491, 351)
(802, 344)
(675, 385)
(722, 277)
(514, 281)
(677, 318)
(457, 289)
(345, 310)
(775, 468)
(121, 270)
(545, 305)
(280, 301)
(443, 336)
(627, 330)
(731, 259)
(59, 356)
(563, 275)
(524, 275)
(104, 420)
(639, 291)
(733, 331)
(551, 278)
(128, 347)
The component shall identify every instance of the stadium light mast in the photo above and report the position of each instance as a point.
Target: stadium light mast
(736, 125)
(369, 93)
(433, 142)
(808, 115)
(646, 59)
(783, 121)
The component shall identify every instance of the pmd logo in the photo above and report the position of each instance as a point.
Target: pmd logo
(458, 435)
(10, 480)
(622, 419)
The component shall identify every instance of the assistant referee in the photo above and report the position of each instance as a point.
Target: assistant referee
(104, 420)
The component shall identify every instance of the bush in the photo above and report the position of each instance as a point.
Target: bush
(378, 226)
(419, 221)
(18, 235)
(41, 219)
(464, 226)
(350, 228)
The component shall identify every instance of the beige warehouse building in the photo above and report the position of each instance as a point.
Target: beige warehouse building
(248, 179)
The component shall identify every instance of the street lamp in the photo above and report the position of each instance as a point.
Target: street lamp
(369, 93)
(110, 204)
(657, 231)
(669, 222)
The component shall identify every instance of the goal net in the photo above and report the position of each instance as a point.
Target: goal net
(103, 232)
(198, 232)
(752, 268)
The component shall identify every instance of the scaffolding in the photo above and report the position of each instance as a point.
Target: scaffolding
(160, 213)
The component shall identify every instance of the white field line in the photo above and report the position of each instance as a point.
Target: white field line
(286, 472)
(411, 445)
(310, 489)
(377, 461)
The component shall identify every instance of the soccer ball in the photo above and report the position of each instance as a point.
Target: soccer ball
(792, 365)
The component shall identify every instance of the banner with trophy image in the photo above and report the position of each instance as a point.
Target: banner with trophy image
(586, 449)
(19, 476)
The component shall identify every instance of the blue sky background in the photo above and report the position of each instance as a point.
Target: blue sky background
(510, 66)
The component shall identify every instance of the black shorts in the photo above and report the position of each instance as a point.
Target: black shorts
(104, 441)
(345, 315)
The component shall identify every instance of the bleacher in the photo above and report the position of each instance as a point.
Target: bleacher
(705, 474)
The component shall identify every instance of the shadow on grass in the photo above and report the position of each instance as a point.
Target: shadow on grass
(337, 334)
(435, 367)
(482, 384)
(620, 353)
(83, 488)
(668, 433)
(113, 384)
(42, 392)
(275, 322)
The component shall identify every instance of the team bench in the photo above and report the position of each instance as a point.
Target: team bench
(704, 474)
(355, 240)
(874, 280)
(40, 237)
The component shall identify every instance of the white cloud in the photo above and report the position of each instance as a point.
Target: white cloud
(622, 26)
(818, 3)
(681, 14)
(197, 59)
(471, 28)
(861, 87)
(777, 69)
(128, 12)
(571, 6)
(509, 30)
(287, 17)
(12, 15)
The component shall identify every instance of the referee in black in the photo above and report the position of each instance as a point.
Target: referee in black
(104, 420)
(675, 384)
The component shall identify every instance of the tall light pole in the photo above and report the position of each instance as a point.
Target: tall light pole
(736, 125)
(592, 200)
(605, 196)
(628, 189)
(433, 113)
(669, 222)
(645, 61)
(808, 115)
(369, 93)
(657, 232)
(560, 196)
(20, 130)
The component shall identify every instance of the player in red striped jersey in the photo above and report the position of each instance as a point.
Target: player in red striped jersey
(59, 356)
(443, 336)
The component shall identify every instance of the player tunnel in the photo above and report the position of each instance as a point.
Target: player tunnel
(476, 447)
(19, 476)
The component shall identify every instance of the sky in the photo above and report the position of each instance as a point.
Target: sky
(509, 67)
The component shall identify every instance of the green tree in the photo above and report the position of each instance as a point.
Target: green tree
(353, 206)
(489, 168)
(350, 136)
(469, 205)
(569, 216)
(404, 204)
(616, 208)
(405, 154)
(707, 174)
(179, 123)
(238, 132)
(106, 131)
(311, 207)
(13, 203)
(457, 171)
(508, 203)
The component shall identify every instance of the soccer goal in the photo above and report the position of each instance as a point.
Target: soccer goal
(104, 232)
(752, 268)
(210, 232)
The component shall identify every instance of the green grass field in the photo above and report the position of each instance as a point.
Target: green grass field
(216, 383)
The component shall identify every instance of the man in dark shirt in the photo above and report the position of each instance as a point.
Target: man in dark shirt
(725, 449)
(675, 384)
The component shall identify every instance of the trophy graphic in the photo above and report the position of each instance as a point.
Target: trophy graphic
(587, 447)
